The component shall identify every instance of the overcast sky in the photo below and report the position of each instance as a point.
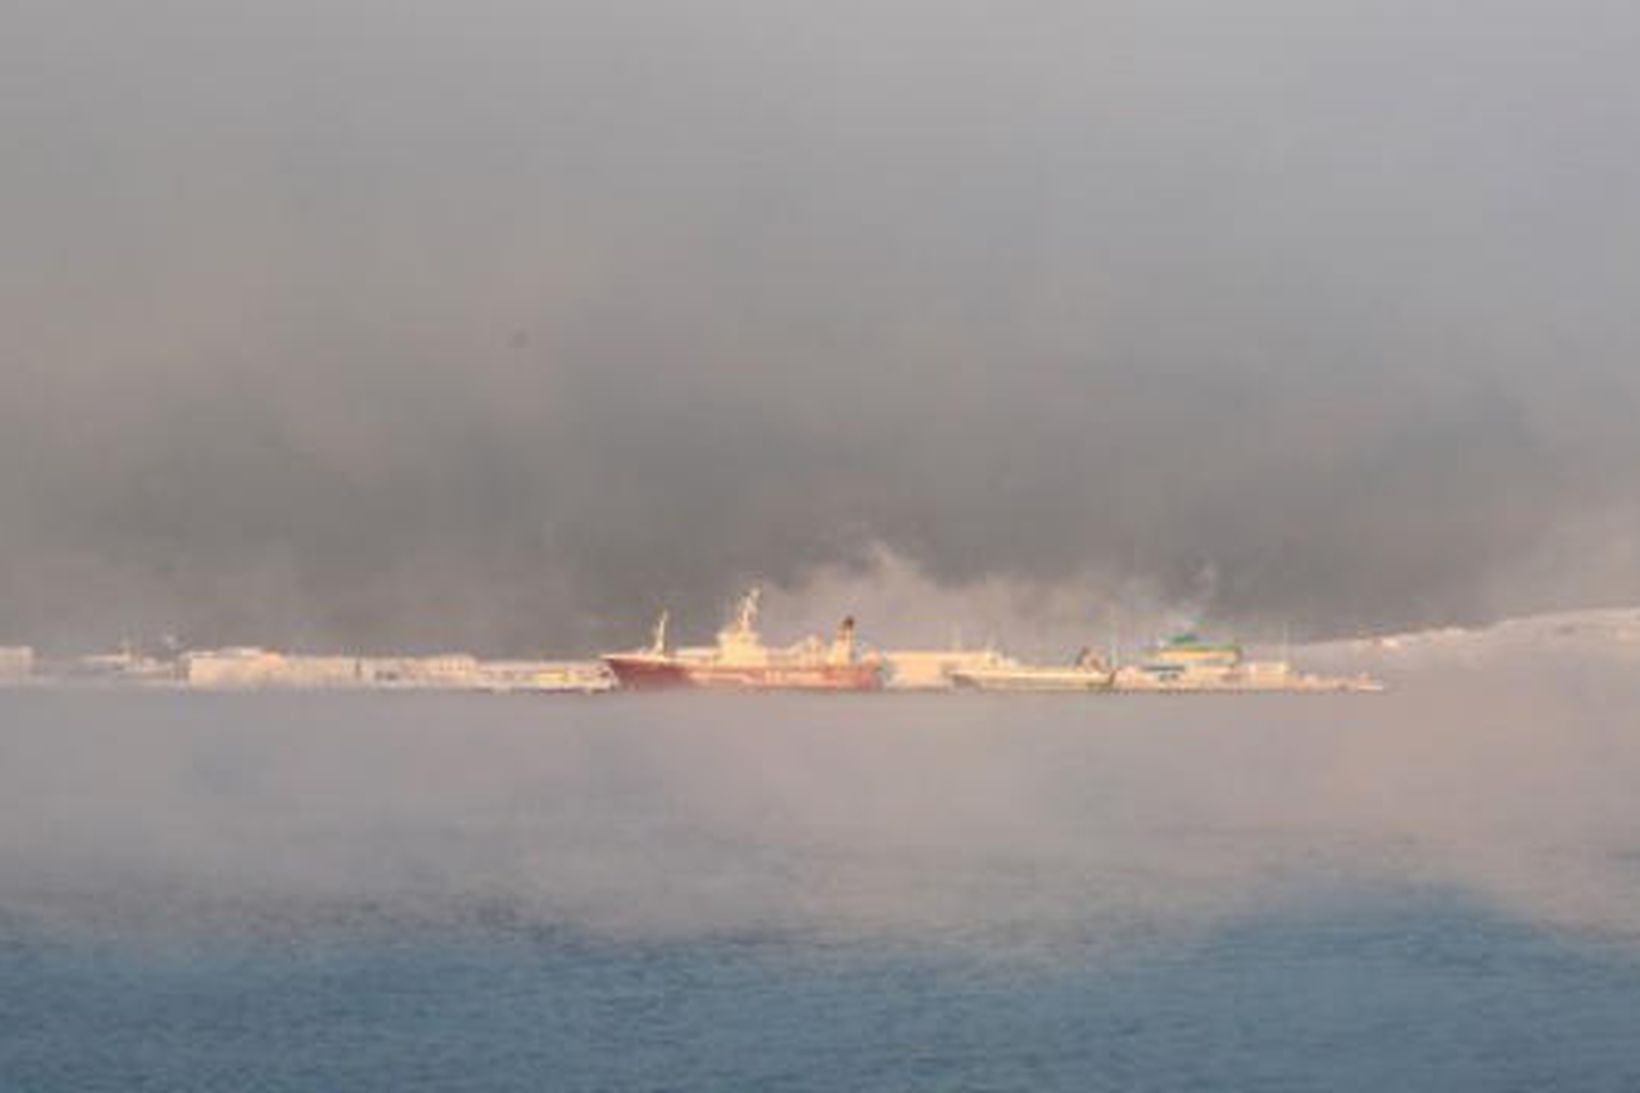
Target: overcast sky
(500, 323)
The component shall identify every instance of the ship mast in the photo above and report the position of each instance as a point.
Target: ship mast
(746, 616)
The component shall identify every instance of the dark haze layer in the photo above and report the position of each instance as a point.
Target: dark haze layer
(498, 326)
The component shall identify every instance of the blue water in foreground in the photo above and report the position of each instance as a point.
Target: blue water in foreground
(1425, 890)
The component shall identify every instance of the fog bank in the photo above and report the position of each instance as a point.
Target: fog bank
(1086, 819)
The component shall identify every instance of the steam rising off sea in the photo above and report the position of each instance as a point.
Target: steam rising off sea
(1435, 888)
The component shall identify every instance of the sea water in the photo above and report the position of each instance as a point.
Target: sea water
(1435, 888)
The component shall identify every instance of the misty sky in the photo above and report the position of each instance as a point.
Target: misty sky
(498, 324)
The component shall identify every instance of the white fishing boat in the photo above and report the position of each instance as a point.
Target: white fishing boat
(1088, 672)
(1187, 664)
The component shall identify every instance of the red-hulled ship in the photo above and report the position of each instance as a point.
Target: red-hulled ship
(740, 661)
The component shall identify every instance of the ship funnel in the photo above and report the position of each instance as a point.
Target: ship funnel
(842, 647)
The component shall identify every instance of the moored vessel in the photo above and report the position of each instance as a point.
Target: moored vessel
(740, 661)
(1086, 673)
(1182, 664)
(1187, 664)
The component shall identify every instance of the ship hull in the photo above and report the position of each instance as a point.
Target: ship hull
(652, 673)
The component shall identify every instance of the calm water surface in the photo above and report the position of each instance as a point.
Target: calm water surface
(1433, 889)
